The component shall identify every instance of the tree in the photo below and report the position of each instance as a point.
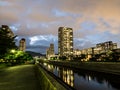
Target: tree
(6, 42)
(62, 57)
(77, 58)
(18, 57)
(114, 56)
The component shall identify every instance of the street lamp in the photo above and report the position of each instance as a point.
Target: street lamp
(12, 51)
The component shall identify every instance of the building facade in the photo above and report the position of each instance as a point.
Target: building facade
(10, 33)
(50, 51)
(101, 48)
(65, 42)
(22, 45)
(105, 46)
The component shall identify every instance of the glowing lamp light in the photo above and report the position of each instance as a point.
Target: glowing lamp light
(12, 51)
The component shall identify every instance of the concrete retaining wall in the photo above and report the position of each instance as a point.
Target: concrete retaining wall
(46, 81)
(106, 67)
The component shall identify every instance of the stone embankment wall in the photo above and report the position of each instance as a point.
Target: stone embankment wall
(106, 67)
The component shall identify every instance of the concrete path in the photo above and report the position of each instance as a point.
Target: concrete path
(22, 77)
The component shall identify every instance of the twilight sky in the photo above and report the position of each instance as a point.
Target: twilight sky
(93, 21)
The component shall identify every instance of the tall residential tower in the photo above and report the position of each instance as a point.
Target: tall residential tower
(50, 51)
(7, 28)
(65, 42)
(22, 44)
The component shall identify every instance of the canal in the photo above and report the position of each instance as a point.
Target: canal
(84, 80)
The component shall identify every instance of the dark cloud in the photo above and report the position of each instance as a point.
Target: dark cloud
(90, 19)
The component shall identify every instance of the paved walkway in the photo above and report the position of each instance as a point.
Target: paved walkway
(22, 77)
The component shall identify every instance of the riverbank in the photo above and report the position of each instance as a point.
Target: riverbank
(21, 77)
(27, 77)
(2, 66)
(47, 80)
(105, 67)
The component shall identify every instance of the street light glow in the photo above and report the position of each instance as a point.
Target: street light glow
(12, 51)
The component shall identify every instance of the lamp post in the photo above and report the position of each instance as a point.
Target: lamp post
(13, 55)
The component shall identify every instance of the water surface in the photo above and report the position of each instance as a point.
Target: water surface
(84, 80)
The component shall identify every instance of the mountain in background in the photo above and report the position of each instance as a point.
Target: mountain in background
(34, 53)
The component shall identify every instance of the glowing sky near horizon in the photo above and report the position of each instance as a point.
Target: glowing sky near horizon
(93, 21)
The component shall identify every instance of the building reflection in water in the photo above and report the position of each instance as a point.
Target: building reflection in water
(84, 80)
(67, 76)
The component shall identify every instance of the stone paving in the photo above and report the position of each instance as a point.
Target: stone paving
(22, 77)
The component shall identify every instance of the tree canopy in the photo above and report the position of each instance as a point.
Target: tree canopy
(7, 42)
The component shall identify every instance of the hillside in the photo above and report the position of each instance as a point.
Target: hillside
(34, 53)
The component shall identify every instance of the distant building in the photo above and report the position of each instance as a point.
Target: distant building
(105, 47)
(100, 48)
(47, 53)
(65, 42)
(22, 44)
(50, 51)
(77, 52)
(10, 33)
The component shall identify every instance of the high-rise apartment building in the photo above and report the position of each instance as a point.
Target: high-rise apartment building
(10, 33)
(50, 51)
(22, 44)
(65, 41)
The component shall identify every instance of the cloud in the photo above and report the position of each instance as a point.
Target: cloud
(44, 40)
(91, 20)
(4, 3)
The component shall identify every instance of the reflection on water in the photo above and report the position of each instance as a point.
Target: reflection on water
(66, 75)
(82, 80)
